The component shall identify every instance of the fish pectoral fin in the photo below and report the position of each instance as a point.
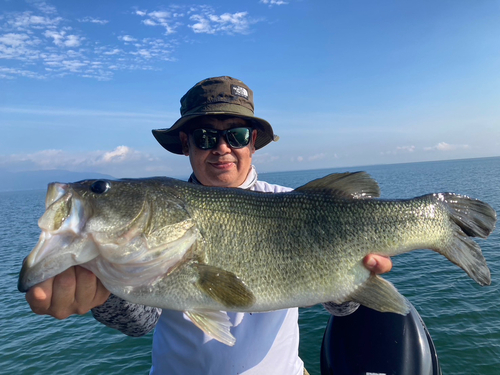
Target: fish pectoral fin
(347, 185)
(216, 324)
(380, 295)
(224, 287)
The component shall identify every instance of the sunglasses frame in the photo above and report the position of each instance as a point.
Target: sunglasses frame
(220, 133)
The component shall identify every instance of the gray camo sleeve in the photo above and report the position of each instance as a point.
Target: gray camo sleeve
(128, 318)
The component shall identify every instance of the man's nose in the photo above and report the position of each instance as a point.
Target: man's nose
(222, 146)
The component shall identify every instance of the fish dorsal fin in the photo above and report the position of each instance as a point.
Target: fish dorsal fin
(356, 185)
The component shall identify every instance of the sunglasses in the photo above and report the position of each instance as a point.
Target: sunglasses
(207, 139)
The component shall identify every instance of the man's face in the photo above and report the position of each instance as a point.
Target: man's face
(221, 166)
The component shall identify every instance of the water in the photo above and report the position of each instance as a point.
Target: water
(461, 316)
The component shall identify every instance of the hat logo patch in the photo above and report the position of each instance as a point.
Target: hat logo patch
(239, 91)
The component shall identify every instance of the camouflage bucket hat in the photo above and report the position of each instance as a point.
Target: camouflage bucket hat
(216, 96)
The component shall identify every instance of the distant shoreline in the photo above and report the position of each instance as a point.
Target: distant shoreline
(38, 180)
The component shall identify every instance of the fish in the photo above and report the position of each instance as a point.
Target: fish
(205, 251)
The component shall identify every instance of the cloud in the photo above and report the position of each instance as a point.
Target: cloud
(13, 40)
(273, 2)
(264, 158)
(117, 155)
(140, 116)
(20, 46)
(43, 7)
(23, 21)
(93, 20)
(443, 146)
(113, 52)
(400, 150)
(166, 19)
(317, 157)
(405, 148)
(127, 38)
(61, 40)
(12, 73)
(39, 43)
(122, 158)
(209, 23)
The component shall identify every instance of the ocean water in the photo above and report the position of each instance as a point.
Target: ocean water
(462, 317)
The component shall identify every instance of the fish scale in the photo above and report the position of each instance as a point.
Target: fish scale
(175, 245)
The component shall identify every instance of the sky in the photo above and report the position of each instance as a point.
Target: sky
(344, 83)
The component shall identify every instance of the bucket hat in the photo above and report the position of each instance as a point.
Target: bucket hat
(215, 96)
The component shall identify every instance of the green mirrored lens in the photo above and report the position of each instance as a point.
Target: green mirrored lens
(238, 137)
(207, 139)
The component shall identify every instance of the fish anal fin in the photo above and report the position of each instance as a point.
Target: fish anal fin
(356, 185)
(379, 294)
(224, 287)
(216, 324)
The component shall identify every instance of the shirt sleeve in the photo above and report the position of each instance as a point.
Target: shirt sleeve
(128, 318)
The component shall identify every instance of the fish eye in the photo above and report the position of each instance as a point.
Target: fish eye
(100, 187)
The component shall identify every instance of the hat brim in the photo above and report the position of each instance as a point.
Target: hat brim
(169, 138)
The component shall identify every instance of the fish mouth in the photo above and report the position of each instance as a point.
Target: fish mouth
(61, 244)
(53, 255)
(67, 240)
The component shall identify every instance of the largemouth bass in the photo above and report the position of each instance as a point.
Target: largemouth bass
(204, 250)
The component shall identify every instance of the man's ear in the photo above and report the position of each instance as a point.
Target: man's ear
(185, 143)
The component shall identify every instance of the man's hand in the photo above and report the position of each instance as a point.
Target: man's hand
(377, 264)
(75, 291)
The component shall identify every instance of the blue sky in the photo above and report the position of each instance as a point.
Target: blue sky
(344, 83)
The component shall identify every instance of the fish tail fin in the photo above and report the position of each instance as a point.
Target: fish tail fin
(472, 218)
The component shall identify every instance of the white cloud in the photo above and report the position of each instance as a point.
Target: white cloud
(44, 7)
(72, 41)
(165, 19)
(142, 52)
(159, 15)
(127, 38)
(113, 52)
(317, 157)
(11, 73)
(149, 22)
(13, 40)
(121, 158)
(202, 25)
(443, 146)
(210, 23)
(400, 150)
(264, 158)
(60, 38)
(93, 20)
(406, 148)
(273, 2)
(117, 155)
(40, 44)
(26, 20)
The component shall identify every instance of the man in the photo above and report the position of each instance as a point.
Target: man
(219, 133)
